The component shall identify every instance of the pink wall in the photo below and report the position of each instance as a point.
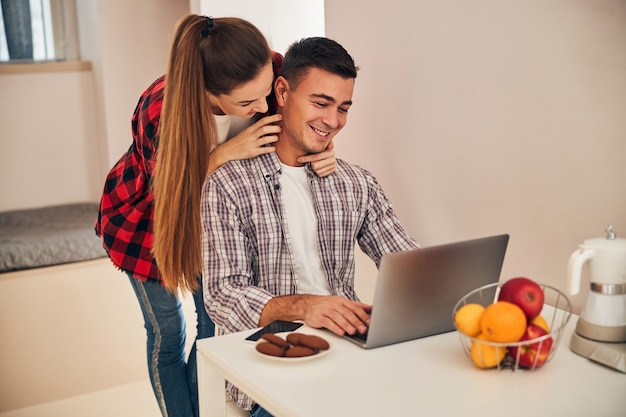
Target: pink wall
(488, 116)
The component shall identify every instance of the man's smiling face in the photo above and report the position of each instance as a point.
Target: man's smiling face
(313, 113)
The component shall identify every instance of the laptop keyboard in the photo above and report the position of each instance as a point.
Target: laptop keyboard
(359, 336)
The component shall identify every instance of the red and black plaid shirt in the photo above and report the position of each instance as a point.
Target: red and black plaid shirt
(125, 220)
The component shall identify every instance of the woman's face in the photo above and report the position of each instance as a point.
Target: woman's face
(247, 99)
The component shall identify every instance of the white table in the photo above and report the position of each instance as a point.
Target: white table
(430, 377)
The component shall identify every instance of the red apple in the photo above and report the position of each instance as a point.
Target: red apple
(524, 292)
(533, 354)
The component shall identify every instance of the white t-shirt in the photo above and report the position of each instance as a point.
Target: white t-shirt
(229, 126)
(301, 222)
(302, 231)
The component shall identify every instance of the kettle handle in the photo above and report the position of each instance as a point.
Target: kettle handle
(574, 269)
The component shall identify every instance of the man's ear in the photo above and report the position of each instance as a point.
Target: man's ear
(280, 88)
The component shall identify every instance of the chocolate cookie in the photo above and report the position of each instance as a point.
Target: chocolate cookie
(299, 351)
(314, 342)
(277, 340)
(271, 349)
(294, 338)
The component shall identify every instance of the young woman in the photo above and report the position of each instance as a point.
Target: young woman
(200, 115)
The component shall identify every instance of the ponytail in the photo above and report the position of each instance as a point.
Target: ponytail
(207, 56)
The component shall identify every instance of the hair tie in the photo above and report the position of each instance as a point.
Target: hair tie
(209, 26)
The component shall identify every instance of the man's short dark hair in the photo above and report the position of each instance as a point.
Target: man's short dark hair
(316, 52)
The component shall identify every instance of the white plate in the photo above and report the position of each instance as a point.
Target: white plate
(284, 359)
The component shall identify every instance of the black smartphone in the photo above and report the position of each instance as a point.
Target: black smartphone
(278, 326)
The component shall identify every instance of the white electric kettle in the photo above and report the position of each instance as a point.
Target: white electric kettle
(603, 317)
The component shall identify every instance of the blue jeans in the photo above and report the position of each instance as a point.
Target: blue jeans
(258, 411)
(174, 379)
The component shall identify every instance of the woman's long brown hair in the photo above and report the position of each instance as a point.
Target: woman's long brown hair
(207, 56)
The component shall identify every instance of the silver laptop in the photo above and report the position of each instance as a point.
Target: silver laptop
(417, 290)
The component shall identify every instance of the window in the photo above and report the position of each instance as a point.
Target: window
(38, 30)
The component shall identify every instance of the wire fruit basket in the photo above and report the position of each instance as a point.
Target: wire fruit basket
(527, 354)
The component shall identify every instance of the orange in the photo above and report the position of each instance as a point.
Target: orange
(503, 322)
(467, 319)
(541, 322)
(485, 355)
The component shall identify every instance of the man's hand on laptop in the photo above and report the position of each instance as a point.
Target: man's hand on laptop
(337, 314)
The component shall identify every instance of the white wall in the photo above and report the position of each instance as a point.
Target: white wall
(128, 44)
(281, 21)
(60, 132)
(492, 116)
(47, 140)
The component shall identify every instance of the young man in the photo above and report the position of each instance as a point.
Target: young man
(278, 240)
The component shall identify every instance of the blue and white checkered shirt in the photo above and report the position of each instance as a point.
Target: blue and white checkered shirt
(247, 245)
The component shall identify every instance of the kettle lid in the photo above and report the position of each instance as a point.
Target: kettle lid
(611, 241)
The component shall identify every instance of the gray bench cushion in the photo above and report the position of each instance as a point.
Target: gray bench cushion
(48, 236)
